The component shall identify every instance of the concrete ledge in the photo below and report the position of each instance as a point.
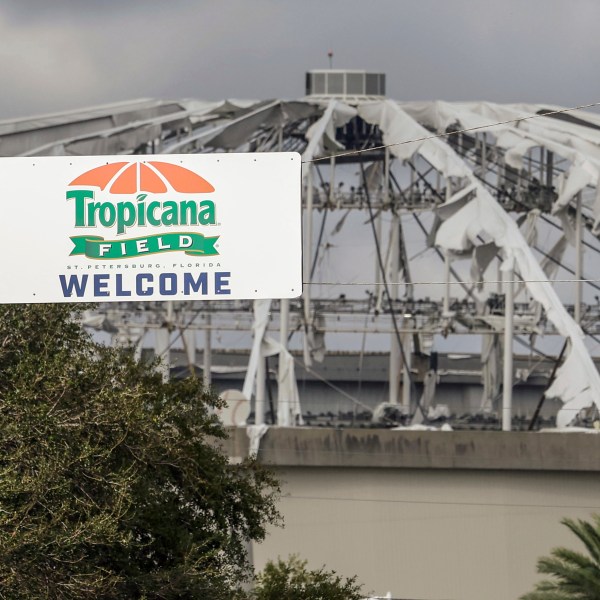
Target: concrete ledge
(384, 448)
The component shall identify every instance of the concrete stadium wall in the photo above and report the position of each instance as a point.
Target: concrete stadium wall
(428, 515)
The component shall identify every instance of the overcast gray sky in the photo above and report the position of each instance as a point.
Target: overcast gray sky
(61, 54)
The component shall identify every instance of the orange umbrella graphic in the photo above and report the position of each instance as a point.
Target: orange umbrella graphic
(151, 176)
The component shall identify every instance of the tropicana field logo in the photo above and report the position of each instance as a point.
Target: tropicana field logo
(124, 195)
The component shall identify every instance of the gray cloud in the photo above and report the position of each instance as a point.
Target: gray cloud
(69, 53)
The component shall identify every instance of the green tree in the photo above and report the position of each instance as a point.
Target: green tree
(293, 581)
(575, 576)
(111, 483)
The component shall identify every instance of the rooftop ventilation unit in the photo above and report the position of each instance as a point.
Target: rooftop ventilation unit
(342, 83)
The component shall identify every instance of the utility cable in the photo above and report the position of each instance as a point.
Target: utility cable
(524, 205)
(451, 133)
(320, 239)
(540, 403)
(459, 282)
(414, 140)
(406, 369)
(334, 387)
(422, 227)
(494, 187)
(439, 502)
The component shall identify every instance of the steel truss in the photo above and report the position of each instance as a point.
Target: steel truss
(388, 192)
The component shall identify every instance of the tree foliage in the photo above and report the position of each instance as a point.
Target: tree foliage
(111, 485)
(575, 575)
(293, 581)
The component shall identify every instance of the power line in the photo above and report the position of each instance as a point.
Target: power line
(459, 282)
(439, 502)
(454, 132)
(406, 370)
(339, 390)
(385, 283)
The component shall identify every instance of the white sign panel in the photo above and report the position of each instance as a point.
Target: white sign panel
(172, 227)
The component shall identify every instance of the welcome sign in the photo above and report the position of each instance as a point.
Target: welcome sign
(151, 227)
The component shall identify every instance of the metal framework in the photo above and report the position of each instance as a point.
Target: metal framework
(544, 176)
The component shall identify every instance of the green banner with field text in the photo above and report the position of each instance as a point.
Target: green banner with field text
(193, 244)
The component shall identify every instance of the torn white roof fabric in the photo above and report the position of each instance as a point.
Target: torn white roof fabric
(577, 381)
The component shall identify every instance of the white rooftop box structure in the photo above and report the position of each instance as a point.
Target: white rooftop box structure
(340, 82)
